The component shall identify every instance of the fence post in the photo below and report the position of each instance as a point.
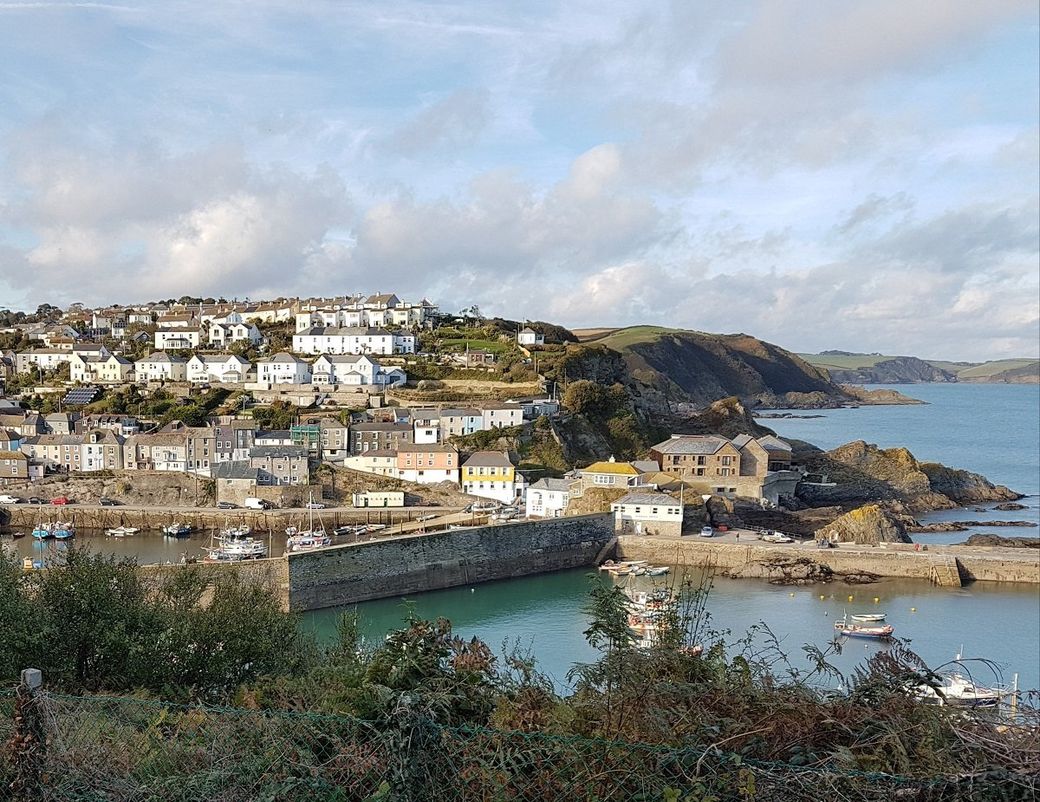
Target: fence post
(28, 742)
(409, 781)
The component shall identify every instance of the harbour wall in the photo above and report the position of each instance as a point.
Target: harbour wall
(418, 563)
(946, 565)
(24, 516)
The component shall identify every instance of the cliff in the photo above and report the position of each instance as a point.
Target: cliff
(900, 370)
(671, 370)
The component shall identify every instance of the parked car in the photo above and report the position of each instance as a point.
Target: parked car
(37, 500)
(707, 531)
(226, 505)
(108, 502)
(6, 498)
(61, 501)
(314, 505)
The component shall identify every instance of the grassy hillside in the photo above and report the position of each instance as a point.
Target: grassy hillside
(997, 370)
(695, 367)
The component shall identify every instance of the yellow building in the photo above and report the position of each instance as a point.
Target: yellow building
(490, 474)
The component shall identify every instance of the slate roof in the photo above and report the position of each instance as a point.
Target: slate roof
(648, 500)
(488, 459)
(555, 485)
(692, 444)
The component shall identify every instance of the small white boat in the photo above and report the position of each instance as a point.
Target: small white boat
(122, 531)
(867, 618)
(850, 630)
(177, 530)
(656, 570)
(957, 690)
(777, 537)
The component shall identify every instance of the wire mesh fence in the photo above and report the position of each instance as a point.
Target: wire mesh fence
(56, 747)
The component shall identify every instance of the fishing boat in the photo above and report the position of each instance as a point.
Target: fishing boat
(43, 531)
(64, 531)
(309, 539)
(867, 618)
(656, 570)
(848, 629)
(177, 530)
(17, 535)
(236, 544)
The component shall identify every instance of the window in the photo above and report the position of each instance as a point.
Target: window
(727, 460)
(701, 461)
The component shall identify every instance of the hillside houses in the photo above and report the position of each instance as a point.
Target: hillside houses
(352, 340)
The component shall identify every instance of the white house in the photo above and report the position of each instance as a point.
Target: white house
(283, 368)
(343, 340)
(528, 336)
(382, 462)
(643, 513)
(546, 498)
(42, 358)
(344, 369)
(497, 416)
(177, 338)
(426, 427)
(159, 366)
(108, 369)
(223, 334)
(226, 368)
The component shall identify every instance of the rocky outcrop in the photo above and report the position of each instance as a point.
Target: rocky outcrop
(965, 487)
(879, 397)
(869, 525)
(863, 473)
(1003, 542)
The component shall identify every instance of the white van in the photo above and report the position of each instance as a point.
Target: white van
(253, 503)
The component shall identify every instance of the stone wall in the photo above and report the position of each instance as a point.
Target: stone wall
(753, 559)
(414, 564)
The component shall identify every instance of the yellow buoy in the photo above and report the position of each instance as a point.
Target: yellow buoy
(821, 598)
(876, 600)
(791, 595)
(913, 609)
(850, 598)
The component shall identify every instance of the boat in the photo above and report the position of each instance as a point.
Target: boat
(43, 531)
(122, 531)
(867, 618)
(309, 539)
(777, 537)
(17, 535)
(848, 629)
(177, 530)
(656, 570)
(64, 531)
(956, 690)
(236, 543)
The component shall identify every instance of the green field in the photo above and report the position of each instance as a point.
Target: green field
(963, 370)
(494, 346)
(622, 338)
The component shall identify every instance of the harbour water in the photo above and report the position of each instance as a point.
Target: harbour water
(989, 429)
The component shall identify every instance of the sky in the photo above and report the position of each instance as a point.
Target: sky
(846, 174)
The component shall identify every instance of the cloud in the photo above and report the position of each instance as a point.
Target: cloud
(144, 224)
(449, 123)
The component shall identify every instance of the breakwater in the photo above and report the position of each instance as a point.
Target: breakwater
(418, 563)
(943, 565)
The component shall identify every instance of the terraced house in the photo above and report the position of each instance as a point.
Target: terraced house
(490, 474)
